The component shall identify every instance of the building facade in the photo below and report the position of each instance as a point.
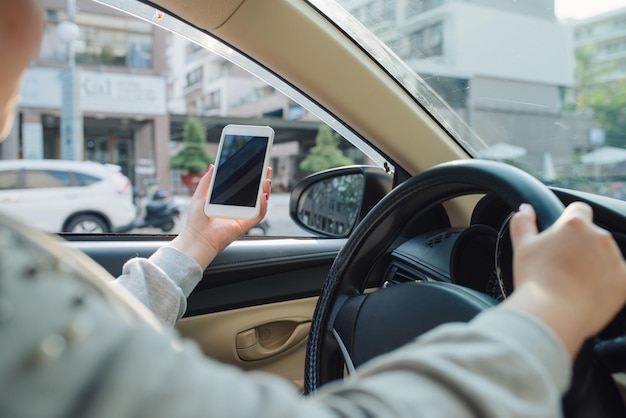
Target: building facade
(602, 40)
(118, 93)
(450, 44)
(205, 84)
(440, 41)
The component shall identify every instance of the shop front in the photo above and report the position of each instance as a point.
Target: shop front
(125, 122)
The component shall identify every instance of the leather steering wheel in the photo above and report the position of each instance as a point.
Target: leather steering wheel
(346, 316)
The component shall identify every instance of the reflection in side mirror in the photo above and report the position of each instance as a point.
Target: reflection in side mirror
(332, 202)
(332, 206)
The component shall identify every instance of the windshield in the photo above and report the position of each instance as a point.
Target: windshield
(538, 84)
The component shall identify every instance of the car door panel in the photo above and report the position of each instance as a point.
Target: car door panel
(217, 334)
(258, 287)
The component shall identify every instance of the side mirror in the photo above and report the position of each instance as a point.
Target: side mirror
(331, 203)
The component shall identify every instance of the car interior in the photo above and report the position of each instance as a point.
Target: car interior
(429, 235)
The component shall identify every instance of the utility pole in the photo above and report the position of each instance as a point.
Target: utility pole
(72, 146)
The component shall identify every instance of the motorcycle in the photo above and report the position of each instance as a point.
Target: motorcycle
(259, 230)
(159, 211)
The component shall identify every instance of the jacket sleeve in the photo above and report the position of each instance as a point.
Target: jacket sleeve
(162, 282)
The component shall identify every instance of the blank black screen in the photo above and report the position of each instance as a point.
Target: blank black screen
(239, 170)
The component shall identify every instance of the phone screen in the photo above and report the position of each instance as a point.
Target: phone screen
(239, 170)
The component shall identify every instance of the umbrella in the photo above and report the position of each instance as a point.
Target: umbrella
(502, 151)
(548, 171)
(605, 155)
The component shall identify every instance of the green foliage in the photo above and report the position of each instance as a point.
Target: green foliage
(193, 157)
(325, 154)
(609, 105)
(606, 99)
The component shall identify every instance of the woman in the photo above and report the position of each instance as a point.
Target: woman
(88, 348)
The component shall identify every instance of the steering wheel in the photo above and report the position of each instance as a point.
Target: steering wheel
(350, 323)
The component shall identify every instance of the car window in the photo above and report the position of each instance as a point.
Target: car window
(83, 179)
(114, 89)
(38, 179)
(9, 179)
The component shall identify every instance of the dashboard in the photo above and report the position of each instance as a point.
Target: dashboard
(479, 256)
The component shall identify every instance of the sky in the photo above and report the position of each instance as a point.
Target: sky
(580, 9)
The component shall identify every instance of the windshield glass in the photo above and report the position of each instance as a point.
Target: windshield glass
(539, 84)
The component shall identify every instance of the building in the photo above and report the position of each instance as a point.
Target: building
(602, 40)
(505, 100)
(203, 83)
(118, 89)
(439, 40)
(450, 43)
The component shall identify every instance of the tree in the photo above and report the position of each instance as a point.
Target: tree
(607, 99)
(193, 157)
(609, 105)
(325, 154)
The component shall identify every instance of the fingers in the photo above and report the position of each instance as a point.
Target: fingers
(265, 195)
(267, 187)
(203, 186)
(577, 210)
(523, 225)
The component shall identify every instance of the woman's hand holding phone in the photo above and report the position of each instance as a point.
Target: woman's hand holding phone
(203, 237)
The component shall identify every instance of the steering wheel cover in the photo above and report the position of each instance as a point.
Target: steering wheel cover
(374, 235)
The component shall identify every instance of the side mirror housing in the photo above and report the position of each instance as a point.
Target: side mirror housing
(332, 202)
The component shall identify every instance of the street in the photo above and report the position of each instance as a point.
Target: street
(278, 219)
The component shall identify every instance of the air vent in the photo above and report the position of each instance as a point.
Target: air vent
(400, 274)
(439, 238)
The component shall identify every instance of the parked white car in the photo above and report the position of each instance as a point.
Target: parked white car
(66, 196)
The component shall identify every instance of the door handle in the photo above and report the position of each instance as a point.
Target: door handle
(270, 339)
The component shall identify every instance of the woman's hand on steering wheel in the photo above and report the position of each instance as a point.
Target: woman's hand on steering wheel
(571, 276)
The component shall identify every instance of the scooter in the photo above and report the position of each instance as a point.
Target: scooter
(159, 212)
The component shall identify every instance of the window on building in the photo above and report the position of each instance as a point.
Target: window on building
(415, 7)
(426, 42)
(213, 100)
(110, 47)
(376, 12)
(139, 51)
(112, 41)
(194, 76)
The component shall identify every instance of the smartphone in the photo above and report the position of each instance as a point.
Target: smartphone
(240, 168)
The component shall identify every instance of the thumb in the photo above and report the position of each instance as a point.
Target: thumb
(523, 225)
(202, 189)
